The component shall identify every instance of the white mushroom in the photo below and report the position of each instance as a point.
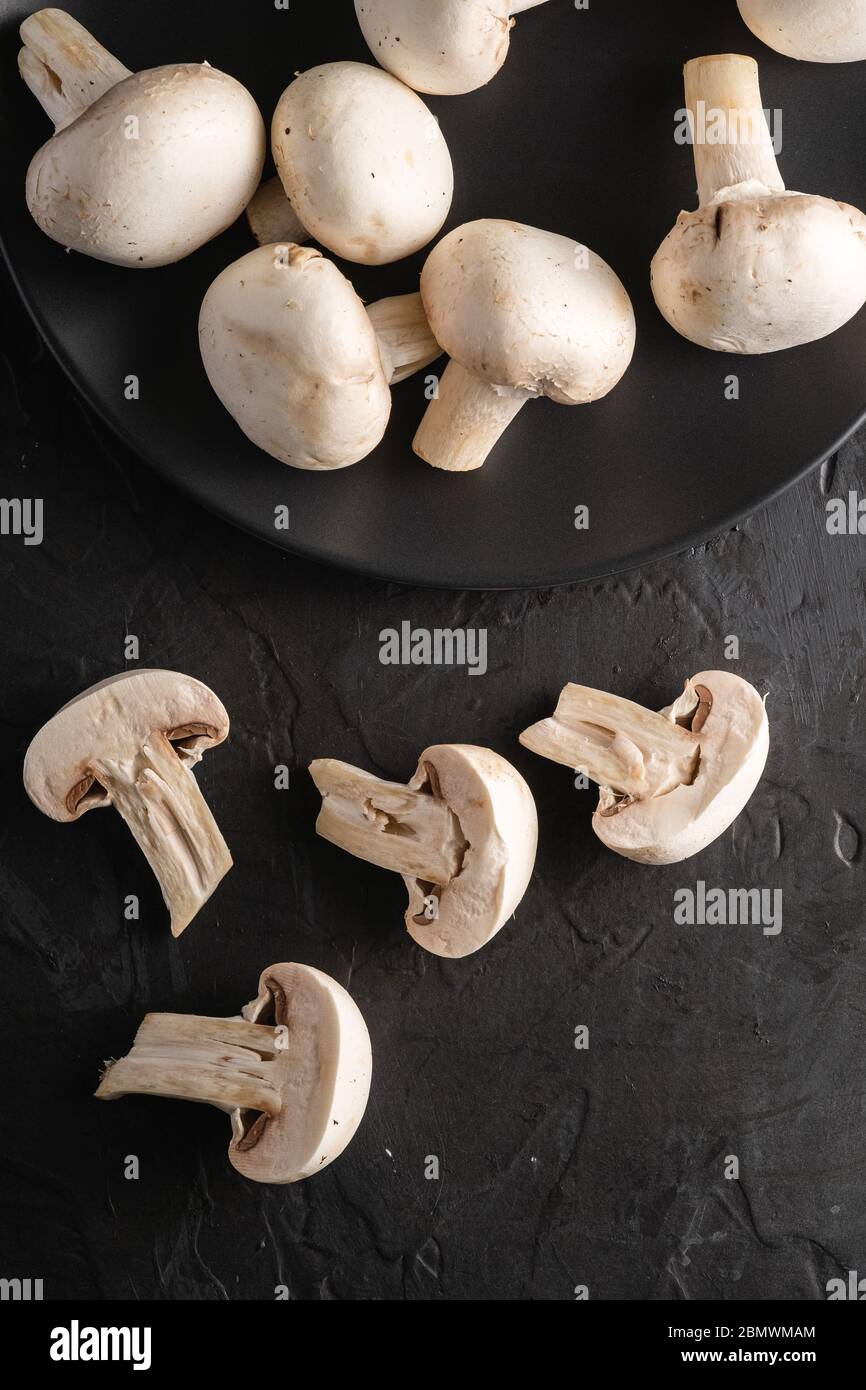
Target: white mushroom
(296, 1089)
(362, 165)
(522, 313)
(463, 834)
(671, 783)
(300, 364)
(144, 168)
(443, 46)
(130, 742)
(816, 31)
(756, 269)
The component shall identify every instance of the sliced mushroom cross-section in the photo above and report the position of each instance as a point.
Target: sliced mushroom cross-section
(131, 742)
(295, 1086)
(463, 835)
(671, 783)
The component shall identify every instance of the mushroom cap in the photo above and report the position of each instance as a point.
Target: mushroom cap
(499, 822)
(112, 720)
(185, 173)
(734, 744)
(757, 271)
(817, 31)
(324, 1077)
(529, 310)
(447, 47)
(363, 162)
(290, 350)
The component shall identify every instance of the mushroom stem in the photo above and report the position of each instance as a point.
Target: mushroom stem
(632, 751)
(219, 1061)
(413, 833)
(467, 419)
(518, 6)
(158, 797)
(272, 217)
(405, 340)
(725, 87)
(64, 66)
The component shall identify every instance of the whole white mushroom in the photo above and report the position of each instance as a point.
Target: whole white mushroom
(446, 47)
(362, 165)
(816, 31)
(756, 269)
(522, 313)
(143, 168)
(299, 362)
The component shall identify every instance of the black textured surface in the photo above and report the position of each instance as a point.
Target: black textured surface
(558, 1167)
(575, 135)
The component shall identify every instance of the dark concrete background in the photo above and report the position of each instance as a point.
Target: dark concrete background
(559, 1167)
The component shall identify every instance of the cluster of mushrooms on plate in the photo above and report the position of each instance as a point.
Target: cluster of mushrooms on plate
(145, 168)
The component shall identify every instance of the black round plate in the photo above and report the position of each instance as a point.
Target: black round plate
(575, 135)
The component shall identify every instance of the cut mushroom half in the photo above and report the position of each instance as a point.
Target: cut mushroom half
(671, 783)
(522, 313)
(143, 168)
(300, 364)
(815, 31)
(131, 742)
(446, 47)
(462, 834)
(362, 167)
(756, 269)
(295, 1086)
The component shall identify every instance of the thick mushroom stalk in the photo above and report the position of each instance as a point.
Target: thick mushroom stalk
(522, 313)
(671, 783)
(298, 361)
(756, 269)
(131, 743)
(295, 1089)
(446, 47)
(815, 31)
(65, 67)
(143, 168)
(462, 834)
(362, 167)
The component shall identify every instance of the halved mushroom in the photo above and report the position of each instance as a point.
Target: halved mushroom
(300, 364)
(756, 269)
(671, 783)
(463, 834)
(522, 313)
(816, 31)
(443, 46)
(143, 168)
(131, 742)
(296, 1089)
(362, 165)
